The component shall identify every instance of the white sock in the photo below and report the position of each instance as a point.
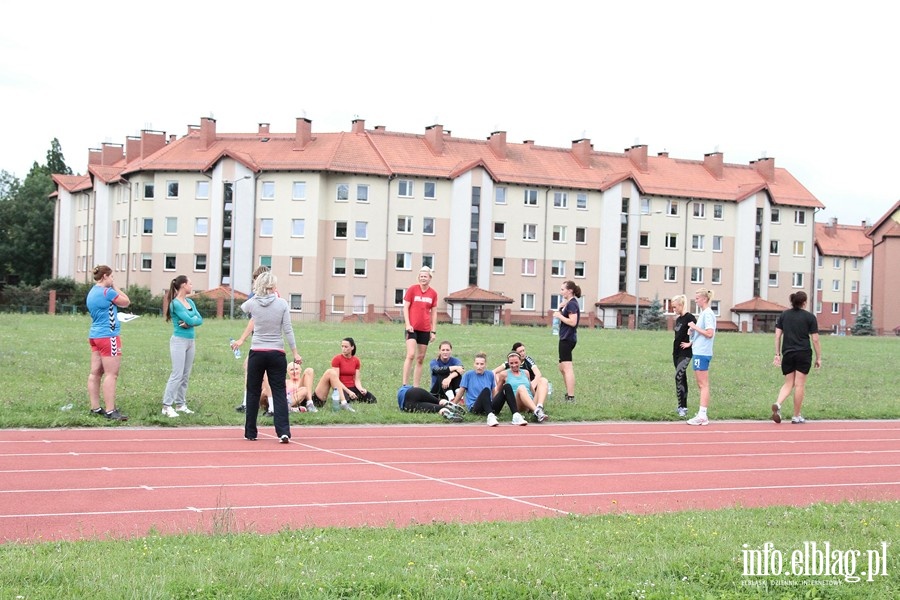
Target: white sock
(702, 411)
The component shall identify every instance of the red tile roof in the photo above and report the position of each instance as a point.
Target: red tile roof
(889, 223)
(224, 292)
(621, 299)
(476, 294)
(834, 239)
(73, 183)
(758, 305)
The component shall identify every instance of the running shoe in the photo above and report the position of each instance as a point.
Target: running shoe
(168, 411)
(539, 414)
(776, 413)
(285, 438)
(115, 415)
(682, 411)
(518, 419)
(698, 420)
(798, 420)
(97, 411)
(492, 420)
(311, 406)
(184, 409)
(241, 408)
(346, 406)
(451, 416)
(455, 408)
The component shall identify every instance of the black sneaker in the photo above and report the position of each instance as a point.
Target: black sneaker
(240, 408)
(285, 438)
(97, 411)
(115, 415)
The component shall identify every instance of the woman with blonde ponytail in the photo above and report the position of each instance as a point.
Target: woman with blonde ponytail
(702, 334)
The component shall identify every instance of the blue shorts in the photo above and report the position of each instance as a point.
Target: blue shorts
(701, 363)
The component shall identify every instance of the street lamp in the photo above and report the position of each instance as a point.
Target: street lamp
(233, 185)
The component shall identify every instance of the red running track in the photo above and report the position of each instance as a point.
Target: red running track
(124, 481)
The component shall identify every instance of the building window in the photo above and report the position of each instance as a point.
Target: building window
(499, 231)
(672, 241)
(852, 309)
(265, 261)
(670, 273)
(340, 230)
(854, 264)
(362, 193)
(714, 306)
(581, 201)
(362, 230)
(643, 272)
(339, 267)
(296, 265)
(799, 217)
(360, 266)
(775, 216)
(799, 248)
(717, 243)
(499, 265)
(148, 226)
(716, 275)
(266, 227)
(146, 262)
(699, 210)
(672, 208)
(644, 239)
(171, 225)
(560, 200)
(398, 296)
(854, 286)
(527, 302)
(337, 304)
(199, 262)
(818, 307)
(149, 191)
(429, 188)
(696, 274)
(296, 302)
(797, 280)
(559, 233)
(579, 269)
(342, 192)
(558, 268)
(298, 190)
(500, 195)
(697, 242)
(201, 226)
(580, 235)
(531, 198)
(836, 263)
(820, 261)
(428, 261)
(835, 308)
(169, 262)
(359, 305)
(773, 278)
(404, 261)
(835, 285)
(819, 284)
(529, 232)
(718, 211)
(267, 191)
(528, 266)
(298, 227)
(202, 192)
(773, 247)
(405, 188)
(404, 224)
(428, 226)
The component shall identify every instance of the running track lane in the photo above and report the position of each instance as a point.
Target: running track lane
(125, 481)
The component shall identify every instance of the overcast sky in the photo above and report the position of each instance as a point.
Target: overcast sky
(810, 84)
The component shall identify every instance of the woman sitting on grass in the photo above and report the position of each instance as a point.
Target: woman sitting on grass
(415, 399)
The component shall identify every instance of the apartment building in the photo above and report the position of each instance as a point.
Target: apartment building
(346, 219)
(885, 238)
(843, 275)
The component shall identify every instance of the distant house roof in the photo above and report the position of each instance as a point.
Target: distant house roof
(888, 224)
(620, 300)
(73, 183)
(758, 305)
(224, 292)
(834, 239)
(473, 294)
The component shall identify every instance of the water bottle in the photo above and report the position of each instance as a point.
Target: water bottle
(67, 407)
(555, 329)
(237, 351)
(335, 400)
(549, 388)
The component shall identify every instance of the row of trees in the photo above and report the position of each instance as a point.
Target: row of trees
(26, 221)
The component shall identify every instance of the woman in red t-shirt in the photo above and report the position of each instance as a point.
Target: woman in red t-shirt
(348, 366)
(420, 317)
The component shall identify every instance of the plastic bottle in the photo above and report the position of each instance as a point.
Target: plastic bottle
(66, 407)
(335, 400)
(237, 351)
(549, 388)
(555, 329)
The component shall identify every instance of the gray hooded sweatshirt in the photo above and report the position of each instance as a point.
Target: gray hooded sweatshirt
(271, 318)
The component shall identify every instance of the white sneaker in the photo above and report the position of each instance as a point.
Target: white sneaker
(311, 407)
(492, 420)
(518, 419)
(184, 409)
(698, 420)
(168, 411)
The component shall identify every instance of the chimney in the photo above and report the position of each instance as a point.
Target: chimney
(304, 133)
(172, 137)
(581, 150)
(434, 137)
(497, 144)
(865, 223)
(359, 126)
(529, 142)
(833, 222)
(263, 130)
(207, 132)
(95, 156)
(111, 154)
(766, 168)
(380, 128)
(151, 141)
(663, 154)
(132, 148)
(713, 163)
(638, 156)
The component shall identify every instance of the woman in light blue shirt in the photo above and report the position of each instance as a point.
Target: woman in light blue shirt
(183, 314)
(702, 334)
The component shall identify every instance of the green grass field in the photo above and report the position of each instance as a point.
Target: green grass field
(621, 375)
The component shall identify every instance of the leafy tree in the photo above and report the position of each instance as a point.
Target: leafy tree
(863, 325)
(653, 317)
(56, 162)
